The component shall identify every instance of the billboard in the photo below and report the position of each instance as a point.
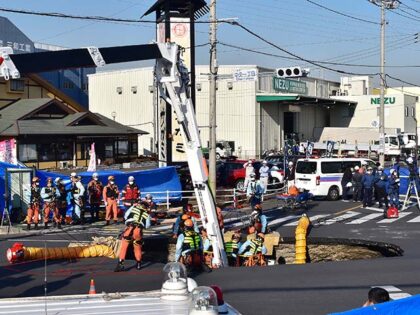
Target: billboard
(8, 151)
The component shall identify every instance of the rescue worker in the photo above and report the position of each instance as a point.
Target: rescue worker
(189, 247)
(258, 220)
(110, 195)
(254, 191)
(130, 193)
(151, 208)
(381, 189)
(357, 184)
(394, 188)
(249, 170)
(95, 189)
(264, 175)
(368, 182)
(290, 174)
(62, 199)
(220, 219)
(232, 248)
(49, 195)
(180, 223)
(346, 183)
(136, 220)
(378, 173)
(77, 191)
(34, 204)
(254, 247)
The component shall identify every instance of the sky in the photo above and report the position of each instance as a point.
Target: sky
(298, 26)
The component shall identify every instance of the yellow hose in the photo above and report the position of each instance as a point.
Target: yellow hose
(36, 253)
(300, 234)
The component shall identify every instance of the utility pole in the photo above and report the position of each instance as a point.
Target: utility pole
(383, 4)
(212, 100)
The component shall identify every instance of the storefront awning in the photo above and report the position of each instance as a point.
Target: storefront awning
(296, 99)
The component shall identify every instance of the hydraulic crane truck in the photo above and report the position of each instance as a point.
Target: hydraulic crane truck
(173, 79)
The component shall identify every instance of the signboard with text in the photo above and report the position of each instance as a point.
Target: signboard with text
(289, 86)
(245, 75)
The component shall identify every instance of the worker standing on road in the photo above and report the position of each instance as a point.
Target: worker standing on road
(258, 220)
(110, 195)
(136, 219)
(95, 189)
(346, 183)
(249, 170)
(381, 188)
(394, 188)
(357, 184)
(130, 193)
(368, 181)
(34, 204)
(77, 192)
(290, 174)
(378, 173)
(62, 199)
(49, 195)
(264, 175)
(254, 191)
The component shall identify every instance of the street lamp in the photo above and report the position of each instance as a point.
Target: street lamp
(383, 4)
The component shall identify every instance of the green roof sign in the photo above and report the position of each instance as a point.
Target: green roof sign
(289, 86)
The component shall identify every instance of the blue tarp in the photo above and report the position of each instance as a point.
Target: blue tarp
(155, 181)
(404, 174)
(407, 306)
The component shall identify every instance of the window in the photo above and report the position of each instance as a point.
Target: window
(331, 167)
(413, 112)
(350, 164)
(68, 85)
(304, 167)
(122, 147)
(17, 85)
(119, 90)
(109, 151)
(46, 152)
(406, 111)
(133, 147)
(134, 89)
(27, 152)
(64, 151)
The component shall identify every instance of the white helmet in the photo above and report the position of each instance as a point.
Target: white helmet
(264, 162)
(410, 160)
(290, 163)
(73, 174)
(95, 175)
(57, 180)
(391, 171)
(131, 178)
(149, 196)
(356, 168)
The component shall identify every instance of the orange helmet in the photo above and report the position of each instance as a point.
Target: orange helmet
(111, 177)
(185, 217)
(35, 179)
(189, 223)
(258, 207)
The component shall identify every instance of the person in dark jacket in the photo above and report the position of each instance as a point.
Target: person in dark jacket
(381, 188)
(346, 183)
(357, 184)
(368, 181)
(394, 188)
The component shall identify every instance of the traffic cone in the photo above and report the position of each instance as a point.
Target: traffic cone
(92, 289)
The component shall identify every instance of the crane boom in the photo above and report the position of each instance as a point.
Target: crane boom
(173, 79)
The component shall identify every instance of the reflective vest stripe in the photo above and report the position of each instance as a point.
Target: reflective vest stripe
(191, 240)
(231, 247)
(256, 247)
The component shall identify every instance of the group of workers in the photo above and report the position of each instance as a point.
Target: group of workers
(55, 198)
(372, 184)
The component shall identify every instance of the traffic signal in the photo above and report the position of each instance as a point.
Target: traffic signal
(291, 72)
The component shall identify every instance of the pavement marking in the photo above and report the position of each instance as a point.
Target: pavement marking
(375, 209)
(345, 216)
(312, 219)
(284, 219)
(401, 215)
(347, 210)
(366, 218)
(415, 220)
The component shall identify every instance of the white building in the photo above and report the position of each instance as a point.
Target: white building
(254, 108)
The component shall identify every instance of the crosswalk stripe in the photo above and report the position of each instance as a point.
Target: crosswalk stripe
(345, 216)
(401, 215)
(374, 209)
(280, 220)
(312, 219)
(366, 218)
(415, 220)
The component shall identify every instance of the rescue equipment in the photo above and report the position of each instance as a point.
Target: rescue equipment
(300, 234)
(92, 289)
(392, 212)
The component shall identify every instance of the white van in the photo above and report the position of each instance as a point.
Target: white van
(322, 177)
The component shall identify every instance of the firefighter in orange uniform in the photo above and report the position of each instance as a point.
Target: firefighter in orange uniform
(35, 200)
(50, 195)
(110, 195)
(136, 219)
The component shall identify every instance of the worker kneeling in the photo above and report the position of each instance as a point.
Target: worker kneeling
(252, 252)
(189, 248)
(136, 219)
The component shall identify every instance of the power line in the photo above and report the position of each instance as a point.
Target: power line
(343, 14)
(402, 81)
(317, 61)
(409, 7)
(293, 54)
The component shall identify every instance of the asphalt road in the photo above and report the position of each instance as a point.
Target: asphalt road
(318, 288)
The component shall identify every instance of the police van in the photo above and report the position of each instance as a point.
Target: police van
(322, 177)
